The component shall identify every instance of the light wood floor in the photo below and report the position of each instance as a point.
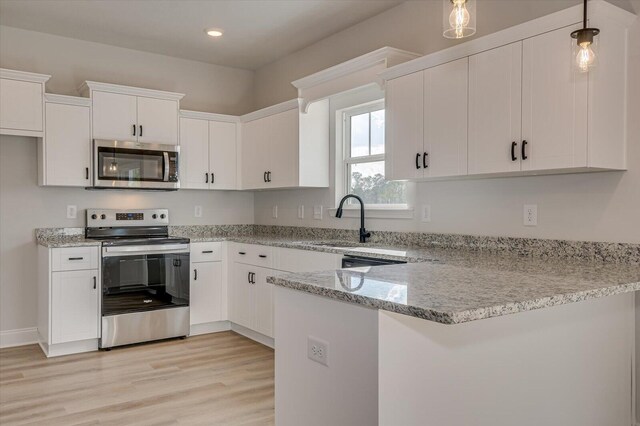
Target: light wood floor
(215, 379)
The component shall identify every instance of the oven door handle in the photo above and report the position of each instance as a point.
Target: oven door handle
(166, 166)
(144, 249)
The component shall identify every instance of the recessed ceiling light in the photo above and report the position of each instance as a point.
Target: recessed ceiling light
(214, 32)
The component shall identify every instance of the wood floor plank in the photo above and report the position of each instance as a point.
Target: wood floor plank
(214, 379)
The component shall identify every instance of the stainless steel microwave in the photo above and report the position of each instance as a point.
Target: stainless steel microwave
(135, 165)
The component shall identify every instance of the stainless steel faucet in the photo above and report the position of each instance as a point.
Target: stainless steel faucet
(363, 232)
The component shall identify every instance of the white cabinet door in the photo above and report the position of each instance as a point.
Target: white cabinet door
(21, 105)
(404, 127)
(554, 105)
(495, 109)
(282, 135)
(74, 306)
(445, 119)
(206, 295)
(242, 302)
(67, 145)
(255, 153)
(114, 116)
(194, 154)
(264, 301)
(157, 120)
(222, 155)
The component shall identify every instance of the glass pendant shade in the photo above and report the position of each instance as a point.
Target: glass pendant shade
(458, 18)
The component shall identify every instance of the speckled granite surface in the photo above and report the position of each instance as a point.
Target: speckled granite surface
(469, 287)
(63, 237)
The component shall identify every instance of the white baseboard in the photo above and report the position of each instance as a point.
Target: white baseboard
(210, 327)
(18, 337)
(253, 335)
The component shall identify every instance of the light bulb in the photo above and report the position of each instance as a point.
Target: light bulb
(459, 17)
(585, 57)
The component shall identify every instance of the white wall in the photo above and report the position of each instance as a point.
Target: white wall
(71, 62)
(24, 206)
(598, 207)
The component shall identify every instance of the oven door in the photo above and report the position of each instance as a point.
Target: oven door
(121, 164)
(144, 278)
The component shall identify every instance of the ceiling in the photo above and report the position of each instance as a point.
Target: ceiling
(256, 32)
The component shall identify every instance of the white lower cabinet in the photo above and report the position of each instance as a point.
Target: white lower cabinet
(68, 299)
(74, 306)
(207, 288)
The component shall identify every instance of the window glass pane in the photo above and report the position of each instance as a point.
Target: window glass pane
(367, 181)
(377, 132)
(360, 135)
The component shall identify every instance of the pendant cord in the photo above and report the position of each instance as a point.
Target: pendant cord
(584, 18)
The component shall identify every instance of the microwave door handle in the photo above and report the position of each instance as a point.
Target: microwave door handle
(166, 166)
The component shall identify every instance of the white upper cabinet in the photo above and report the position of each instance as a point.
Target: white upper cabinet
(21, 103)
(208, 151)
(404, 120)
(133, 114)
(64, 153)
(554, 105)
(445, 120)
(495, 89)
(285, 148)
(519, 106)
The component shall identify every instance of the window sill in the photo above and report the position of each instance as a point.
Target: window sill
(376, 212)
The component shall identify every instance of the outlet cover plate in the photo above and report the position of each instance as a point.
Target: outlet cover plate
(197, 212)
(426, 213)
(318, 350)
(301, 212)
(274, 212)
(530, 215)
(72, 212)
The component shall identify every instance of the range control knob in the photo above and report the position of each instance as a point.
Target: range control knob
(162, 216)
(94, 216)
(103, 216)
(154, 216)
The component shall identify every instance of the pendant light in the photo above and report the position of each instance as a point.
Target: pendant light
(458, 18)
(584, 50)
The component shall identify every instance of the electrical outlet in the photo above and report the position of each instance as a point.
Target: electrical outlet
(426, 213)
(300, 212)
(274, 212)
(530, 215)
(197, 212)
(318, 350)
(72, 212)
(317, 212)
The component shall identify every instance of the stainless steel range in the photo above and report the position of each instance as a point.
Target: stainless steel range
(145, 276)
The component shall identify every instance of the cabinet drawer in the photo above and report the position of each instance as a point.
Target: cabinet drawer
(206, 252)
(252, 254)
(74, 258)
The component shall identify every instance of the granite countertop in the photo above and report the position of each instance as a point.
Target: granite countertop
(468, 287)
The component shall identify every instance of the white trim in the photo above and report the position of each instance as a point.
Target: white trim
(209, 116)
(18, 337)
(209, 327)
(271, 110)
(69, 348)
(376, 212)
(554, 21)
(384, 54)
(88, 86)
(67, 100)
(24, 76)
(18, 132)
(253, 335)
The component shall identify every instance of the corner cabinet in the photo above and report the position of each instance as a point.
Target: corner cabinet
(133, 114)
(208, 151)
(68, 299)
(282, 147)
(511, 103)
(64, 152)
(22, 103)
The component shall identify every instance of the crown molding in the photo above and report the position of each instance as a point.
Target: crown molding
(88, 86)
(24, 76)
(67, 100)
(271, 110)
(210, 116)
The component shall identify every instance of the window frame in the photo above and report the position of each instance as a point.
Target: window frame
(348, 160)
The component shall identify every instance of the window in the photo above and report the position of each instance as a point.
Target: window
(364, 155)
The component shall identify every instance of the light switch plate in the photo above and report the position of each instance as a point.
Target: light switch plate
(72, 212)
(426, 213)
(300, 212)
(197, 212)
(530, 215)
(274, 212)
(317, 212)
